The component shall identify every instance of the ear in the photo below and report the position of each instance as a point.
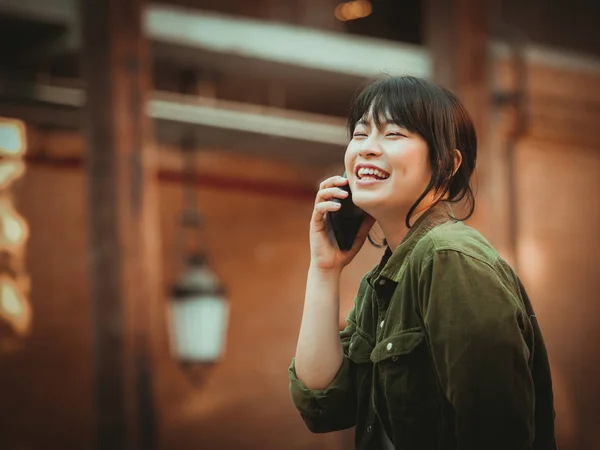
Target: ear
(457, 161)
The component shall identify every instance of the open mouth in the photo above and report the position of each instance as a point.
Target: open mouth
(370, 173)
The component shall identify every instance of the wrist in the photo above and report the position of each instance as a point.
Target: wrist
(326, 272)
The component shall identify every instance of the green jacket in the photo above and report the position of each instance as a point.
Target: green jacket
(442, 351)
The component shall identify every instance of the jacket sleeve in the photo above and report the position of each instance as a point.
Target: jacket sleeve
(478, 333)
(333, 408)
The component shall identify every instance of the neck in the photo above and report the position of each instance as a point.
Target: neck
(394, 232)
(394, 227)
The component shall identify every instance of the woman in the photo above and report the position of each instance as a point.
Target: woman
(442, 349)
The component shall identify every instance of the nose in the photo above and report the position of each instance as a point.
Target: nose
(370, 148)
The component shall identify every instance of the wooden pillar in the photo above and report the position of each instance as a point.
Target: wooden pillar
(457, 37)
(123, 232)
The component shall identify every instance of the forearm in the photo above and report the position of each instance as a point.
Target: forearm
(319, 351)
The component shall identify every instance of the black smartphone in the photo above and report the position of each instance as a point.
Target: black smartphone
(346, 221)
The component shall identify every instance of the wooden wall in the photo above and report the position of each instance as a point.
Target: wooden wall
(557, 177)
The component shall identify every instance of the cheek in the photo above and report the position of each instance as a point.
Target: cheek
(424, 170)
(349, 157)
(414, 166)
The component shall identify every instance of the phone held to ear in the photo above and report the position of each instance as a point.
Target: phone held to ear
(346, 221)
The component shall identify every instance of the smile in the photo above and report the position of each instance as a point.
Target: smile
(371, 173)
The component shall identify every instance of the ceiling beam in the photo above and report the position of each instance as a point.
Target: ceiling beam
(209, 112)
(286, 44)
(238, 127)
(239, 37)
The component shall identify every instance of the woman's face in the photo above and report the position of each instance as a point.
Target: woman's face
(387, 168)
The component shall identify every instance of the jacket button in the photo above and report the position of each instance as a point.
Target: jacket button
(369, 429)
(382, 281)
(381, 324)
(389, 346)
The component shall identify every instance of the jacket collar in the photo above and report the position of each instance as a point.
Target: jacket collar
(391, 262)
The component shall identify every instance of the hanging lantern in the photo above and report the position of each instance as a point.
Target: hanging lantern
(199, 310)
(199, 314)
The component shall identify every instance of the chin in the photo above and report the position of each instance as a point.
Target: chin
(368, 203)
(379, 207)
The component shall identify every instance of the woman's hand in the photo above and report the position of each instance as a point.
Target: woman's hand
(324, 252)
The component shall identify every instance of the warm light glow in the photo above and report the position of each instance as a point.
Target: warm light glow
(12, 137)
(357, 9)
(15, 310)
(9, 301)
(531, 259)
(13, 228)
(14, 305)
(10, 170)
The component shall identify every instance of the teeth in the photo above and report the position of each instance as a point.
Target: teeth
(363, 171)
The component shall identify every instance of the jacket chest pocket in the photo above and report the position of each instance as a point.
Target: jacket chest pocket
(405, 374)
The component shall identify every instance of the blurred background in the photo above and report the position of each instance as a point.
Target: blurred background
(159, 162)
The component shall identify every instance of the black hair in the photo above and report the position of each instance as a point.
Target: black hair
(437, 115)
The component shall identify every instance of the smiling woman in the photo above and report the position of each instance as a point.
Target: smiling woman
(428, 133)
(439, 347)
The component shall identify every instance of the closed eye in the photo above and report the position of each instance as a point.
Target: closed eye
(395, 134)
(359, 135)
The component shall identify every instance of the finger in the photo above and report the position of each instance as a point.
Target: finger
(332, 182)
(324, 207)
(321, 210)
(330, 193)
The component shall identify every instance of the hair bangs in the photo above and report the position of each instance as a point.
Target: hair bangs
(388, 100)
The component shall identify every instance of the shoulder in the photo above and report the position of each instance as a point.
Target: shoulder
(458, 246)
(454, 247)
(455, 236)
